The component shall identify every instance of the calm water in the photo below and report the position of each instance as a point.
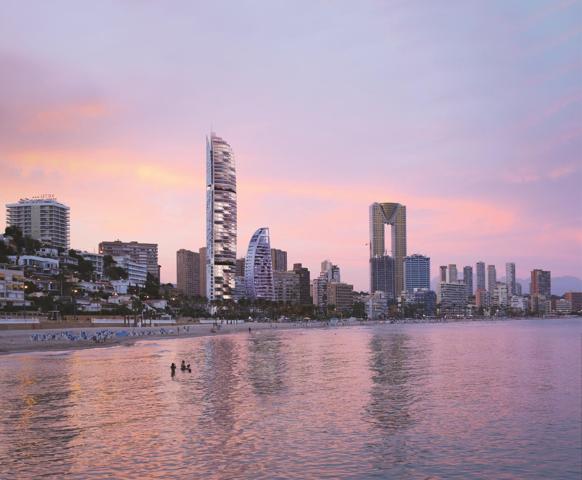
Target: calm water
(483, 400)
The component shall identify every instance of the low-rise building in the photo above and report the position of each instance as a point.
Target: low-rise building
(376, 305)
(562, 307)
(12, 287)
(423, 300)
(43, 265)
(89, 286)
(120, 287)
(48, 252)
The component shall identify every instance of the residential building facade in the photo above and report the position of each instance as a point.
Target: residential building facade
(42, 218)
(416, 272)
(143, 253)
(279, 258)
(221, 219)
(188, 272)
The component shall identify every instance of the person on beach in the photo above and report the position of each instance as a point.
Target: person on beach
(249, 329)
(183, 366)
(188, 368)
(173, 368)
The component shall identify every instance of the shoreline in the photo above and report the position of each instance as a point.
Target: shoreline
(20, 340)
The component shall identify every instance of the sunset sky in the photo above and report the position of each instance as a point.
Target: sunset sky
(467, 112)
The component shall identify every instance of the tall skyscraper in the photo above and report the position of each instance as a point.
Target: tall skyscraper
(393, 214)
(468, 279)
(443, 273)
(188, 272)
(480, 276)
(304, 283)
(142, 253)
(382, 275)
(279, 260)
(221, 219)
(203, 263)
(416, 272)
(491, 278)
(453, 277)
(510, 278)
(42, 218)
(541, 283)
(259, 266)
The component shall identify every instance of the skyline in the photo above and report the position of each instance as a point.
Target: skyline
(477, 135)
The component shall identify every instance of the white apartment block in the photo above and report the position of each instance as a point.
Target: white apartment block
(42, 218)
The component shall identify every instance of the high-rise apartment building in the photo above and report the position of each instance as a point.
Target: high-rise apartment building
(221, 219)
(326, 266)
(142, 253)
(510, 278)
(188, 272)
(453, 276)
(240, 267)
(42, 218)
(468, 279)
(203, 263)
(382, 275)
(541, 283)
(575, 299)
(443, 273)
(331, 271)
(393, 214)
(500, 296)
(304, 283)
(259, 266)
(453, 298)
(319, 290)
(287, 286)
(480, 276)
(491, 278)
(279, 260)
(416, 272)
(341, 295)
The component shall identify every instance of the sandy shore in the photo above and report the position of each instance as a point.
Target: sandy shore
(15, 341)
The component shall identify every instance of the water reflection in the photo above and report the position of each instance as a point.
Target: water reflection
(39, 416)
(220, 378)
(392, 364)
(382, 402)
(266, 364)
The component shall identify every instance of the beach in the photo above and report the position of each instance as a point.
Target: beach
(46, 339)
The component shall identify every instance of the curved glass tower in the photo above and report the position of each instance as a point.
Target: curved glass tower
(259, 266)
(220, 219)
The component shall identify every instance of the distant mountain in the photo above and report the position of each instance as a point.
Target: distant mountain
(560, 285)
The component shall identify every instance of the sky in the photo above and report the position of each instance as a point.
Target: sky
(467, 112)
